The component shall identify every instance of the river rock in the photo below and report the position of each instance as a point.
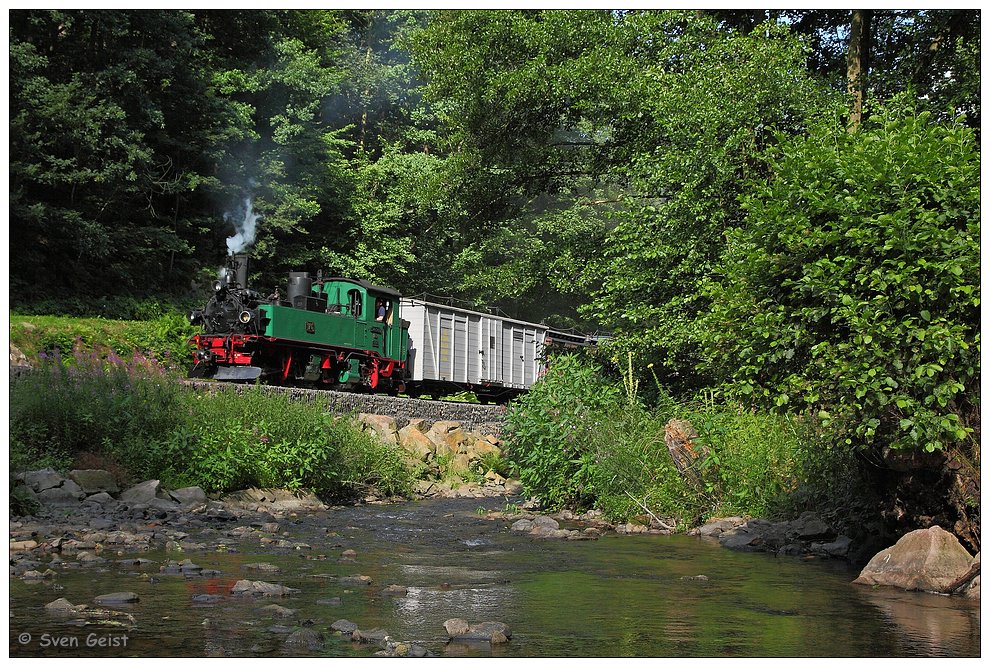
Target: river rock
(122, 597)
(490, 631)
(716, 527)
(190, 496)
(100, 499)
(403, 650)
(923, 560)
(60, 496)
(262, 588)
(373, 636)
(306, 638)
(142, 493)
(278, 611)
(63, 606)
(343, 626)
(262, 567)
(94, 481)
(395, 591)
(22, 545)
(40, 480)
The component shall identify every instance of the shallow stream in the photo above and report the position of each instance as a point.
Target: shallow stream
(621, 595)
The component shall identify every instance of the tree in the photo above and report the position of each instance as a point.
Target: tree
(852, 290)
(858, 64)
(109, 119)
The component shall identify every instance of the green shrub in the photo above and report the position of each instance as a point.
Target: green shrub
(164, 338)
(235, 439)
(853, 289)
(140, 417)
(581, 441)
(550, 430)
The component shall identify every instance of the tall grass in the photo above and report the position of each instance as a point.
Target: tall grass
(583, 441)
(138, 416)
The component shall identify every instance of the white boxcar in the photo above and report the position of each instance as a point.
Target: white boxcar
(488, 354)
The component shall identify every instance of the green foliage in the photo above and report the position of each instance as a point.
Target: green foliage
(234, 439)
(580, 441)
(164, 338)
(138, 416)
(85, 403)
(549, 427)
(853, 289)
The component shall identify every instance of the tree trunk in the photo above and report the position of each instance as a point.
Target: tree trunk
(858, 64)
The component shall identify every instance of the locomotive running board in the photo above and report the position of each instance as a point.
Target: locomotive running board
(238, 373)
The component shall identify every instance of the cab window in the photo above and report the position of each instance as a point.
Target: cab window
(354, 302)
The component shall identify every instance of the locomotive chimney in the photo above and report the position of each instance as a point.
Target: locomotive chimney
(239, 263)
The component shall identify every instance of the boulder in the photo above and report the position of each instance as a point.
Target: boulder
(481, 448)
(190, 496)
(123, 597)
(344, 626)
(716, 527)
(494, 632)
(384, 427)
(101, 498)
(414, 441)
(142, 493)
(94, 481)
(923, 560)
(59, 496)
(278, 611)
(263, 588)
(306, 638)
(40, 480)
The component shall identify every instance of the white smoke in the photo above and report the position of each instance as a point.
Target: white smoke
(244, 226)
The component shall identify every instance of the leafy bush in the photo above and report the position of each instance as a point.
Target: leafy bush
(137, 415)
(234, 439)
(581, 441)
(853, 289)
(551, 427)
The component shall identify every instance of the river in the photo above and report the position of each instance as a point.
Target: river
(621, 595)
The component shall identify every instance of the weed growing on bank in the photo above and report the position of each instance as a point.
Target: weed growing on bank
(582, 441)
(138, 416)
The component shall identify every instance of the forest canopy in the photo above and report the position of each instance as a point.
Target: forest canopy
(780, 205)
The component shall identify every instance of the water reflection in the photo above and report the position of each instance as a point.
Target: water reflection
(926, 624)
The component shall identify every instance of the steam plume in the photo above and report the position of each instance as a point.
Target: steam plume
(243, 228)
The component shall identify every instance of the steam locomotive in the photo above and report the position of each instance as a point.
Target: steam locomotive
(342, 333)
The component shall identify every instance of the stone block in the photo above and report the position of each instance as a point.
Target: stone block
(94, 481)
(39, 480)
(189, 496)
(382, 426)
(59, 496)
(416, 443)
(142, 493)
